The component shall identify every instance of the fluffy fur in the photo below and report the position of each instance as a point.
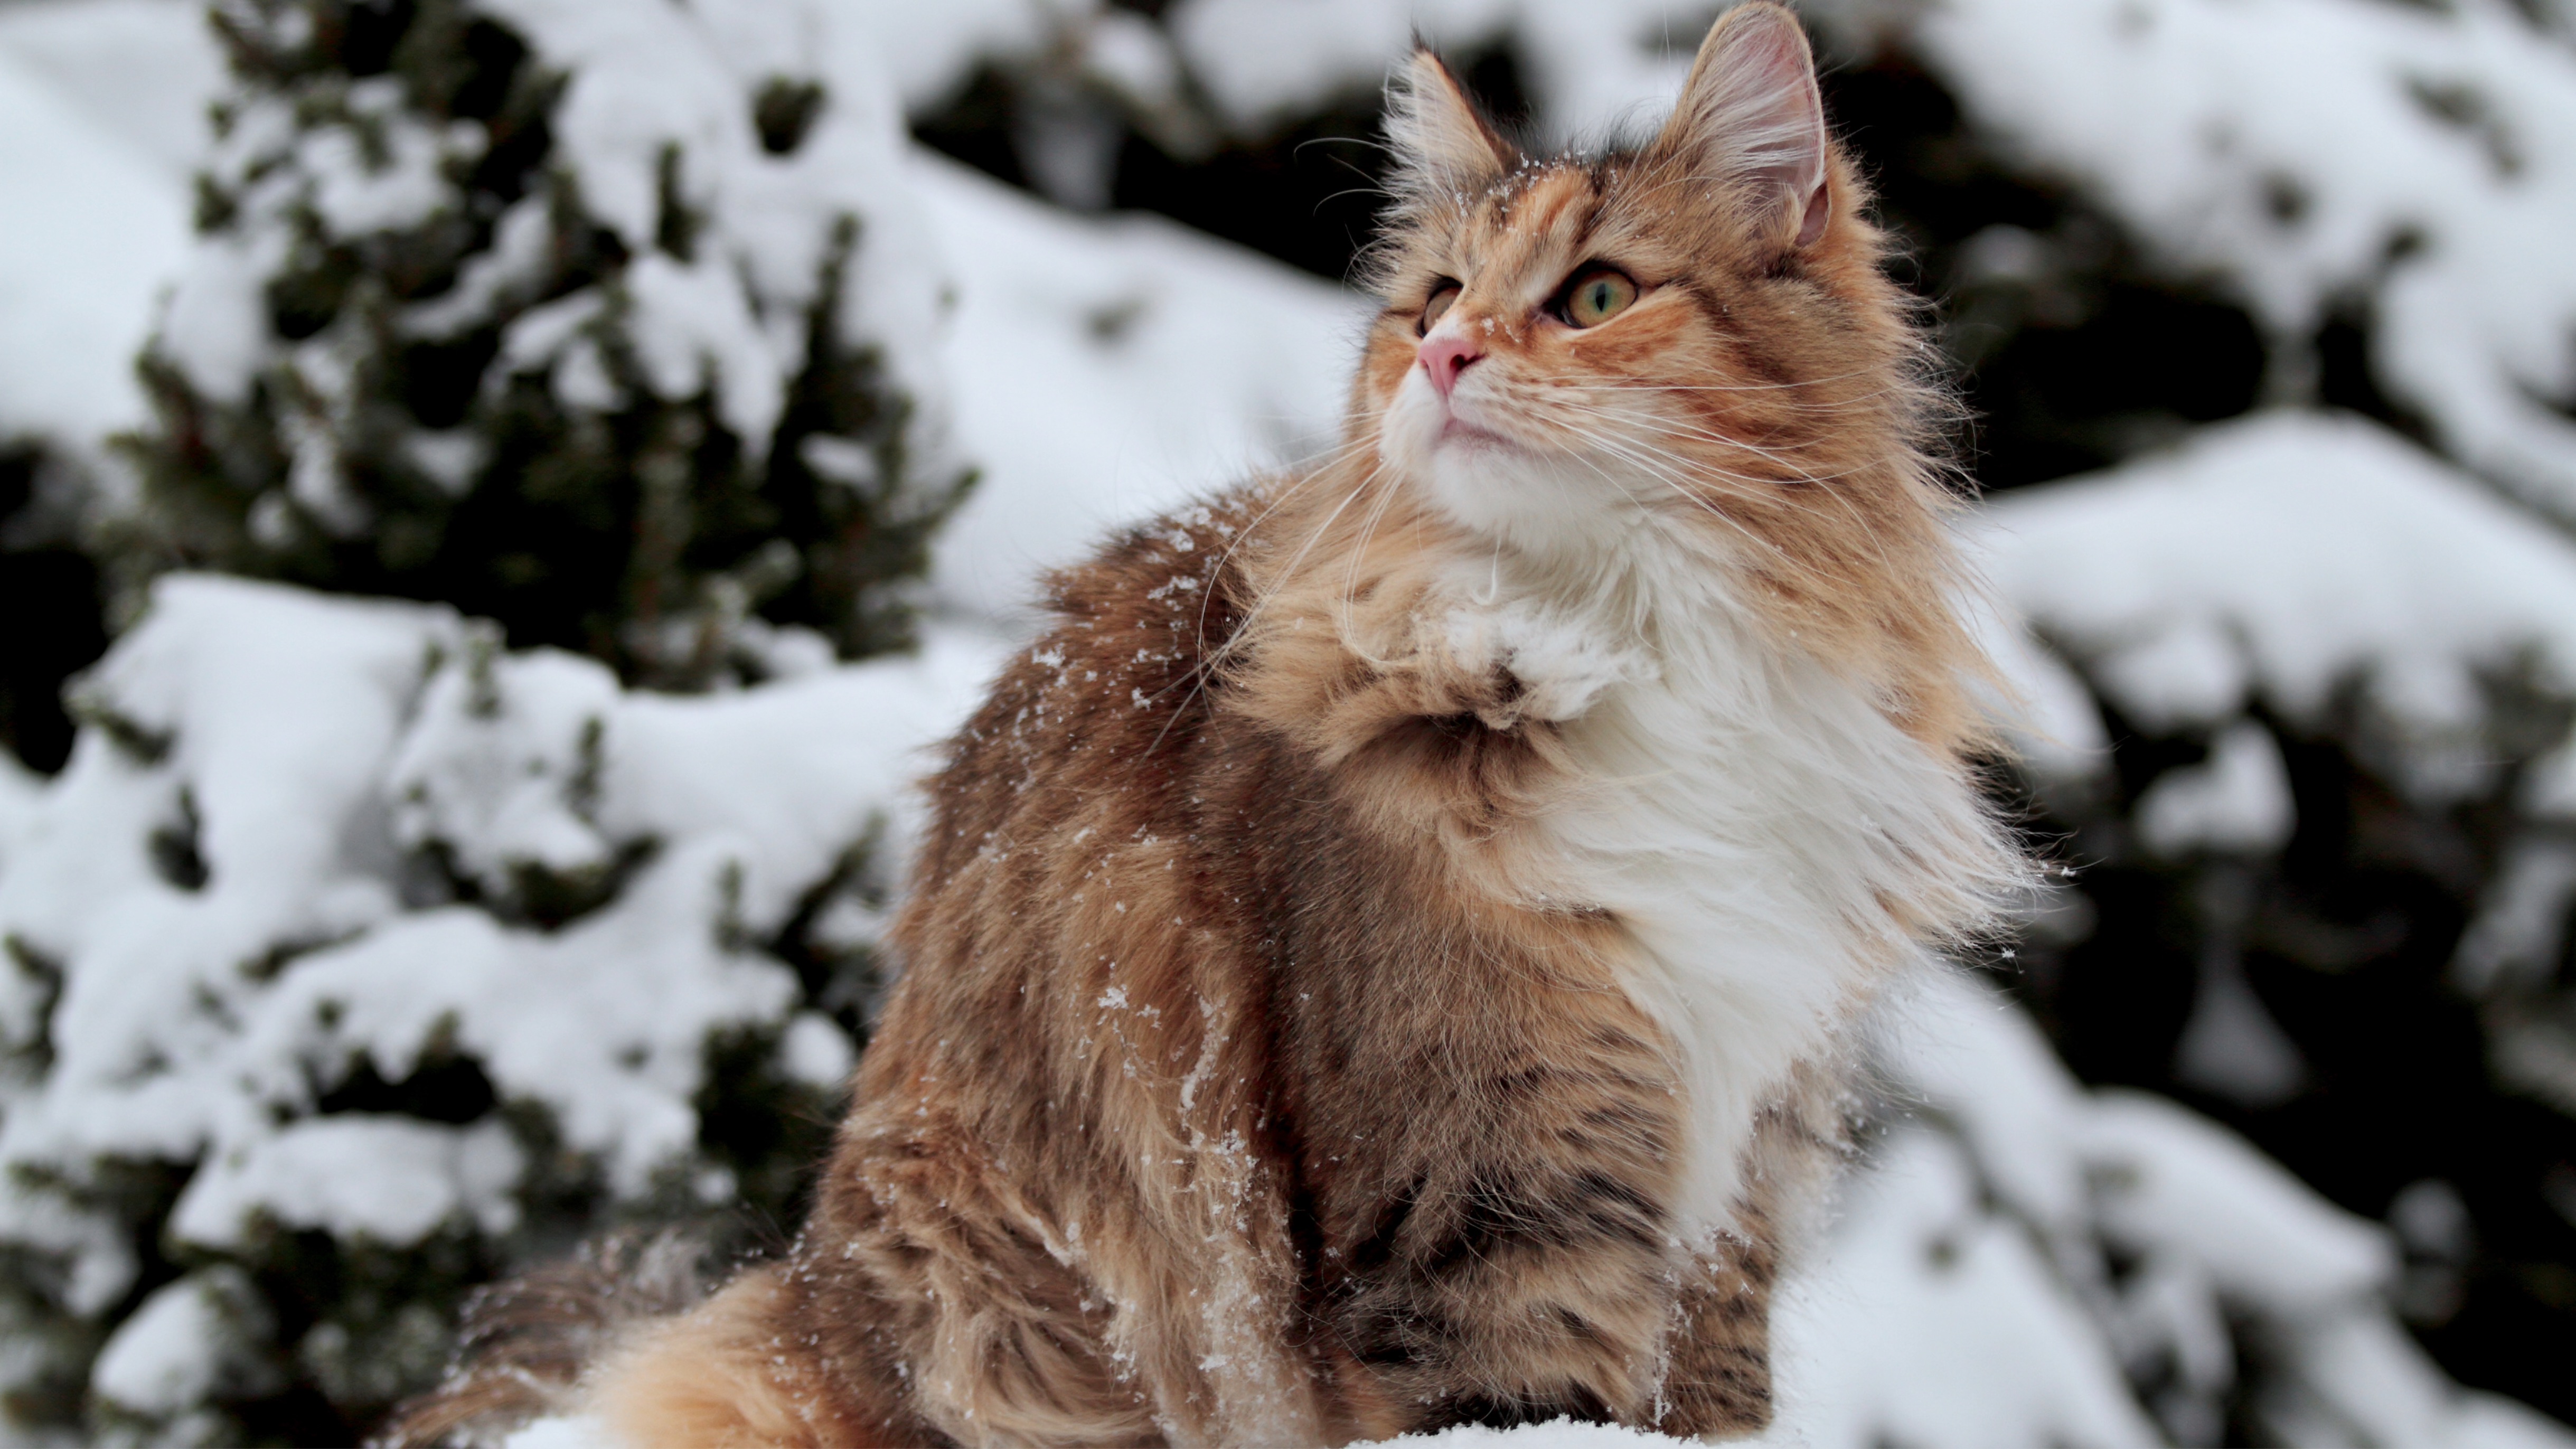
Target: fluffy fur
(1382, 960)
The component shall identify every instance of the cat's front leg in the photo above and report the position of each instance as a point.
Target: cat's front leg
(1717, 1370)
(1489, 1147)
(1514, 1279)
(1538, 663)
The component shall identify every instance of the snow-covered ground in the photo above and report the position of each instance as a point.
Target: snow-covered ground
(259, 765)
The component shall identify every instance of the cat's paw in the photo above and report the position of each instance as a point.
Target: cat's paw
(1545, 666)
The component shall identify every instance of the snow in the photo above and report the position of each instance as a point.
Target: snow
(102, 116)
(2313, 150)
(731, 316)
(2514, 941)
(212, 325)
(1963, 1296)
(226, 879)
(674, 79)
(816, 1052)
(97, 226)
(2238, 800)
(355, 1176)
(183, 1344)
(1952, 1293)
(2230, 1045)
(141, 71)
(2280, 558)
(157, 1361)
(2288, 562)
(1102, 370)
(698, 327)
(354, 195)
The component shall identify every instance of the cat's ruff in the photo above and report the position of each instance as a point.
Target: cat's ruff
(1740, 809)
(1387, 957)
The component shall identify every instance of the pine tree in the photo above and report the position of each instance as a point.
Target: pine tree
(597, 320)
(550, 317)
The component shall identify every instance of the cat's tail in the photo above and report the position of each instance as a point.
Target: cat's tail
(527, 1343)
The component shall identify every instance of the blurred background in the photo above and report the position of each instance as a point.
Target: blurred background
(498, 496)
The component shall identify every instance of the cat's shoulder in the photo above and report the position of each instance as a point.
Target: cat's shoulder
(1173, 576)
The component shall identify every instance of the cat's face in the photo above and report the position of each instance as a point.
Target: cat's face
(1668, 338)
(1560, 352)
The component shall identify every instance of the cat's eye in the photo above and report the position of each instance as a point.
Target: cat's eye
(1443, 292)
(1596, 295)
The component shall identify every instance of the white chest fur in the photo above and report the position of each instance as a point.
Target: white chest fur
(1757, 822)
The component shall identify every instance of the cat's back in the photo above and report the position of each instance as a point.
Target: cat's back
(1108, 697)
(1060, 911)
(1073, 1059)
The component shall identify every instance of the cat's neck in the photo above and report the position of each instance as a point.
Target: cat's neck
(1375, 564)
(1361, 552)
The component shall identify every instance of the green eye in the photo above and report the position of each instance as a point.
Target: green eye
(1597, 295)
(1443, 292)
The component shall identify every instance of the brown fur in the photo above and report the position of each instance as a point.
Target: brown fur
(1246, 1082)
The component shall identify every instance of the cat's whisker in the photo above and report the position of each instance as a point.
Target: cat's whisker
(1676, 476)
(1868, 529)
(1262, 601)
(1215, 659)
(1802, 475)
(1207, 598)
(1703, 466)
(1358, 549)
(1677, 480)
(1807, 384)
(1243, 630)
(1840, 499)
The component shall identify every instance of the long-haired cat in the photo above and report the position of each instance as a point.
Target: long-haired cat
(1381, 961)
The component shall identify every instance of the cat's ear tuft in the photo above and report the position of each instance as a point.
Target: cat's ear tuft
(1750, 116)
(1443, 145)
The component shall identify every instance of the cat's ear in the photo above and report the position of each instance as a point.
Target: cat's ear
(1750, 118)
(1443, 146)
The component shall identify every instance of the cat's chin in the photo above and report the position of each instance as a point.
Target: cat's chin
(1496, 484)
(1457, 435)
(1540, 503)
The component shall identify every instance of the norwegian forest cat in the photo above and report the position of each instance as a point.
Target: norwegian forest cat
(1383, 959)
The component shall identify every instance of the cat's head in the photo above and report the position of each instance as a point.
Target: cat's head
(1692, 335)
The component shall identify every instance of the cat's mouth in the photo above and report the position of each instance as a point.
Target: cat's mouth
(1458, 432)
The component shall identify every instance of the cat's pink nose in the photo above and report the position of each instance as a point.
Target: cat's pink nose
(1446, 356)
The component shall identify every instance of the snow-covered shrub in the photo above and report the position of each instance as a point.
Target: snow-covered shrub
(103, 105)
(600, 321)
(355, 958)
(2416, 165)
(2315, 761)
(2025, 1261)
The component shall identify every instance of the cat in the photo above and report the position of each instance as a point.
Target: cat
(1389, 956)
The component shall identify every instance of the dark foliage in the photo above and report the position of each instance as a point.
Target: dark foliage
(49, 593)
(638, 531)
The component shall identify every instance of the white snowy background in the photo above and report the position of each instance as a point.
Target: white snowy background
(1962, 1292)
